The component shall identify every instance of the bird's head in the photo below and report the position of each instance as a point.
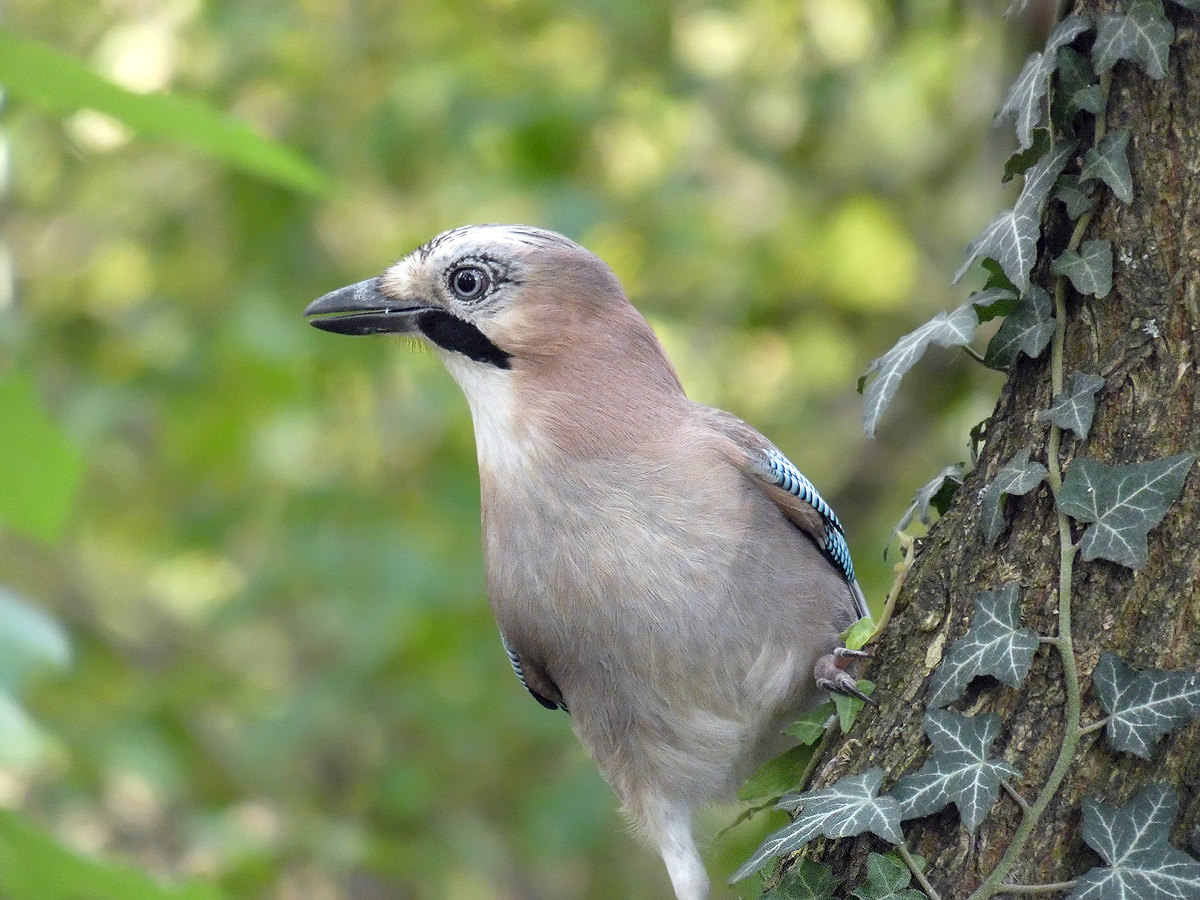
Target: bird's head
(513, 311)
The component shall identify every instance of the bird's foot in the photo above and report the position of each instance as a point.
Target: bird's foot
(833, 672)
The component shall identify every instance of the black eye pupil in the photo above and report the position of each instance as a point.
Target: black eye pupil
(468, 283)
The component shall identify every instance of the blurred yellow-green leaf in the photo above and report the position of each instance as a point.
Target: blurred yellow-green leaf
(39, 467)
(60, 84)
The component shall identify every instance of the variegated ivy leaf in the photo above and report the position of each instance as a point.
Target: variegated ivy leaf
(1142, 34)
(1028, 329)
(1024, 102)
(1073, 409)
(1122, 502)
(1077, 87)
(934, 495)
(945, 329)
(887, 879)
(851, 806)
(994, 645)
(1076, 195)
(960, 772)
(1109, 163)
(1019, 476)
(1132, 839)
(806, 880)
(1090, 268)
(1143, 706)
(1011, 237)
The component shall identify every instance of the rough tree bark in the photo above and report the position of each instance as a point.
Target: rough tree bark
(1142, 338)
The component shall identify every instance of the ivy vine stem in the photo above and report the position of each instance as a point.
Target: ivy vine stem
(911, 862)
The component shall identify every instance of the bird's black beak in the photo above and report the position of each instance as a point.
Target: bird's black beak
(363, 309)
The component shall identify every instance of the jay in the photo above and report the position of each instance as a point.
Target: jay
(656, 567)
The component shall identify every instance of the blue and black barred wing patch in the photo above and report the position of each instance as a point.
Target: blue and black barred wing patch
(519, 669)
(779, 471)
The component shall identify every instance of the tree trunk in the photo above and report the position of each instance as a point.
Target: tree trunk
(1142, 339)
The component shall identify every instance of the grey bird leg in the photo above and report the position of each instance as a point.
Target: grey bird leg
(835, 672)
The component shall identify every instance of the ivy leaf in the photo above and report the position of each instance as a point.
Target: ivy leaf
(1027, 330)
(1109, 163)
(1023, 160)
(809, 728)
(994, 645)
(1073, 410)
(1090, 268)
(1011, 237)
(993, 302)
(1078, 88)
(1132, 839)
(960, 772)
(1123, 502)
(945, 329)
(936, 494)
(1023, 103)
(777, 776)
(1019, 476)
(849, 807)
(856, 636)
(1143, 706)
(1142, 34)
(1075, 194)
(887, 879)
(806, 880)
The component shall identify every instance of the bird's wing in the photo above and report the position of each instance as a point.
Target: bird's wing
(535, 680)
(794, 494)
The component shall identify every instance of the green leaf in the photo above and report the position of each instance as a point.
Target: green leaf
(993, 302)
(849, 807)
(1090, 268)
(1132, 839)
(777, 776)
(1077, 196)
(945, 330)
(39, 467)
(1023, 160)
(1019, 476)
(1024, 101)
(1077, 87)
(1011, 237)
(960, 772)
(806, 880)
(1027, 330)
(934, 495)
(33, 866)
(994, 645)
(809, 728)
(849, 707)
(1123, 502)
(1143, 34)
(1109, 163)
(1073, 409)
(858, 634)
(60, 84)
(887, 879)
(29, 639)
(1143, 706)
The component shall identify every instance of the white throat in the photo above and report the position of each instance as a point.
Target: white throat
(506, 444)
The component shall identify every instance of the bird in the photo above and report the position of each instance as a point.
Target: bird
(657, 568)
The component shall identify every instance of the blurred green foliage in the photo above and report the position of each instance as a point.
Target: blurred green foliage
(285, 681)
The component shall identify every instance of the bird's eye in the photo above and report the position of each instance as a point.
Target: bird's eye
(469, 282)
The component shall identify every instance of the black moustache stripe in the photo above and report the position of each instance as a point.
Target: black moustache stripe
(452, 333)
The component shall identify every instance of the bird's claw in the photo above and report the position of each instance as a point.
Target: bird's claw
(831, 673)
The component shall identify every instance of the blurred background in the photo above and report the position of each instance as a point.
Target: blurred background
(244, 642)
